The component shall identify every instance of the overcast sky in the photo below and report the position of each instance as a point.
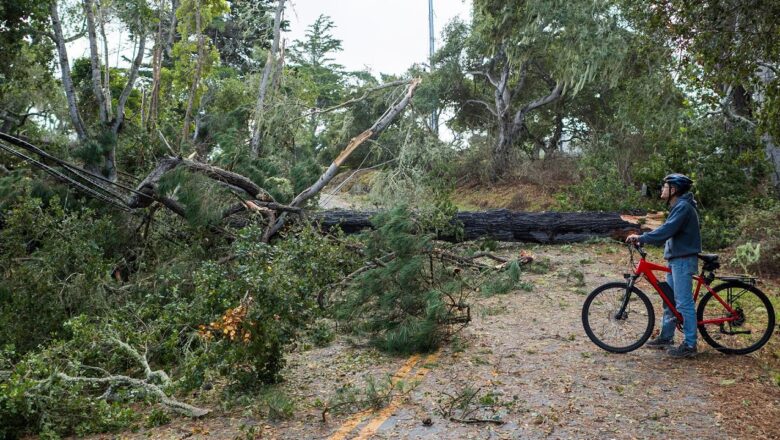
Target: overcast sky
(386, 36)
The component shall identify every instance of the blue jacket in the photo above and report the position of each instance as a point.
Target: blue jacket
(680, 230)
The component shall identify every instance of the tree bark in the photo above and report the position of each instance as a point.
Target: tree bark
(131, 77)
(94, 58)
(154, 96)
(772, 152)
(267, 69)
(172, 30)
(505, 225)
(67, 82)
(107, 71)
(196, 79)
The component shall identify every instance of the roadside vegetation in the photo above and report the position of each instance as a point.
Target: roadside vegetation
(132, 293)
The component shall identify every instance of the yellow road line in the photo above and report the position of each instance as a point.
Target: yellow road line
(358, 418)
(387, 411)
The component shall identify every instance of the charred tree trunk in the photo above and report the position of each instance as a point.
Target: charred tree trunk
(504, 225)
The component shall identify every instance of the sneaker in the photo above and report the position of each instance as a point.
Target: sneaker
(660, 343)
(682, 351)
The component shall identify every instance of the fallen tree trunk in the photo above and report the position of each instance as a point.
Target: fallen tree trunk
(505, 225)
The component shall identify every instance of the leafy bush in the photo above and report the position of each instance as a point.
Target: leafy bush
(601, 189)
(254, 307)
(759, 229)
(54, 265)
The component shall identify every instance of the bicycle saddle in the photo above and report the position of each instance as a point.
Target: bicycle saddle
(709, 258)
(710, 261)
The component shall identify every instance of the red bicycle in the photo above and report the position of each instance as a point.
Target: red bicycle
(734, 317)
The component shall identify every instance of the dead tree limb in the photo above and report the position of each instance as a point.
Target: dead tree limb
(119, 380)
(147, 383)
(370, 133)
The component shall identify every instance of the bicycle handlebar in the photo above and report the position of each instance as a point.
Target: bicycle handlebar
(639, 248)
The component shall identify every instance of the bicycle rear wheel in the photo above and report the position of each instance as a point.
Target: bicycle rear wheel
(617, 334)
(750, 331)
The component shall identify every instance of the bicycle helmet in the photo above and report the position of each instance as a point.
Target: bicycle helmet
(680, 181)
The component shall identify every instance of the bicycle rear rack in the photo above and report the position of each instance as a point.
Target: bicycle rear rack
(747, 279)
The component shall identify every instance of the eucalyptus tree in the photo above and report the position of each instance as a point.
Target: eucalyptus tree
(136, 15)
(518, 58)
(731, 48)
(98, 140)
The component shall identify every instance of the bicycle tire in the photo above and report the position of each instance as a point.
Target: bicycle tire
(645, 329)
(761, 317)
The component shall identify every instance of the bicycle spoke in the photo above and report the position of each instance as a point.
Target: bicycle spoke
(616, 333)
(747, 330)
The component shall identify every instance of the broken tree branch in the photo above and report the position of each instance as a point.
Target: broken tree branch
(145, 384)
(119, 380)
(370, 133)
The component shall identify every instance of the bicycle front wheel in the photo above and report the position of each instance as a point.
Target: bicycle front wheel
(614, 332)
(752, 328)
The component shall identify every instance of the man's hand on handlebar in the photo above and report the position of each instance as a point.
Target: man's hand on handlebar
(633, 239)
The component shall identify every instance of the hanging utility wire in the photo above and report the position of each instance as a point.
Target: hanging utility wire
(81, 172)
(64, 178)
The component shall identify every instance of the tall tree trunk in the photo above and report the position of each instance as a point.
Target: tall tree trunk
(501, 151)
(154, 97)
(185, 132)
(510, 134)
(269, 64)
(67, 82)
(106, 72)
(94, 58)
(171, 30)
(131, 77)
(772, 152)
(771, 149)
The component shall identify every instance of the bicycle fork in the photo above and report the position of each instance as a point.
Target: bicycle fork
(621, 312)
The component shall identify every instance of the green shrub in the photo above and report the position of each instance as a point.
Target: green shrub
(322, 332)
(403, 304)
(600, 189)
(760, 229)
(54, 265)
(254, 307)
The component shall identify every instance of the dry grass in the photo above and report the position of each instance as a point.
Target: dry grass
(531, 187)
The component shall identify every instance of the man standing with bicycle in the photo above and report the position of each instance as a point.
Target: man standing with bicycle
(683, 244)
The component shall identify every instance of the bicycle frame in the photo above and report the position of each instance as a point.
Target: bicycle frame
(646, 268)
